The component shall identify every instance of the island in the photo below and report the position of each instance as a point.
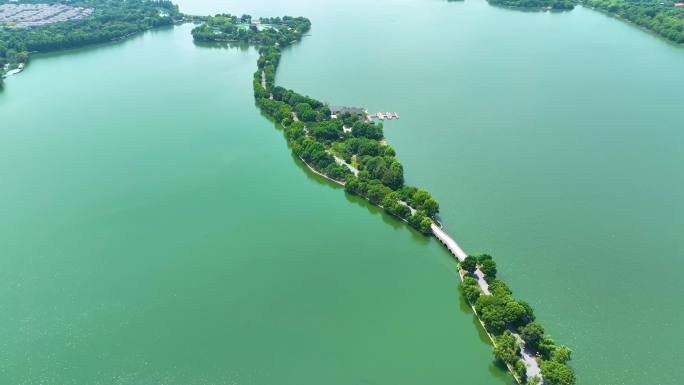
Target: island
(49, 25)
(347, 147)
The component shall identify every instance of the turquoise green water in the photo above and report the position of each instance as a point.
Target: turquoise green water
(156, 230)
(139, 183)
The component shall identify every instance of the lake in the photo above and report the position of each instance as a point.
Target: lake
(156, 229)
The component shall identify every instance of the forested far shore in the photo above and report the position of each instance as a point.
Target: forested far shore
(665, 18)
(559, 5)
(110, 20)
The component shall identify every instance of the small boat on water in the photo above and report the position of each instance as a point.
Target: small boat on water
(383, 116)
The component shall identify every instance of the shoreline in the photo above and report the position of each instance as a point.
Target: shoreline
(21, 66)
(642, 28)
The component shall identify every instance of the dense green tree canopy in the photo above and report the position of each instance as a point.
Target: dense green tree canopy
(561, 354)
(555, 373)
(660, 17)
(469, 264)
(536, 4)
(111, 20)
(507, 348)
(546, 347)
(532, 334)
(488, 267)
(471, 289)
(498, 288)
(274, 32)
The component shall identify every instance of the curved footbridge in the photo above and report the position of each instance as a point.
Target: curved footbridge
(449, 242)
(456, 250)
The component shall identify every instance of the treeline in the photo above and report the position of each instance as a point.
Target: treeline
(111, 20)
(661, 17)
(311, 132)
(272, 31)
(509, 319)
(559, 5)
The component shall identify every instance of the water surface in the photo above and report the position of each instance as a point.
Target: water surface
(156, 230)
(137, 199)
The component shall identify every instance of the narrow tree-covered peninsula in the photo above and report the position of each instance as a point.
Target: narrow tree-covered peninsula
(346, 148)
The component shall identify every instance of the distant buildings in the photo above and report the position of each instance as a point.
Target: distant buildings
(254, 26)
(36, 15)
(342, 110)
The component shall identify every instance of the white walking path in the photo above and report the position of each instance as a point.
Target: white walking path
(484, 286)
(342, 162)
(532, 365)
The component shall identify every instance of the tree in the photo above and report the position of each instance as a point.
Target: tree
(555, 373)
(546, 346)
(310, 116)
(431, 207)
(406, 193)
(426, 225)
(488, 267)
(469, 264)
(507, 348)
(528, 310)
(336, 171)
(471, 292)
(521, 370)
(493, 318)
(498, 288)
(514, 313)
(419, 198)
(377, 192)
(561, 354)
(491, 310)
(351, 184)
(402, 211)
(418, 220)
(532, 334)
(393, 177)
